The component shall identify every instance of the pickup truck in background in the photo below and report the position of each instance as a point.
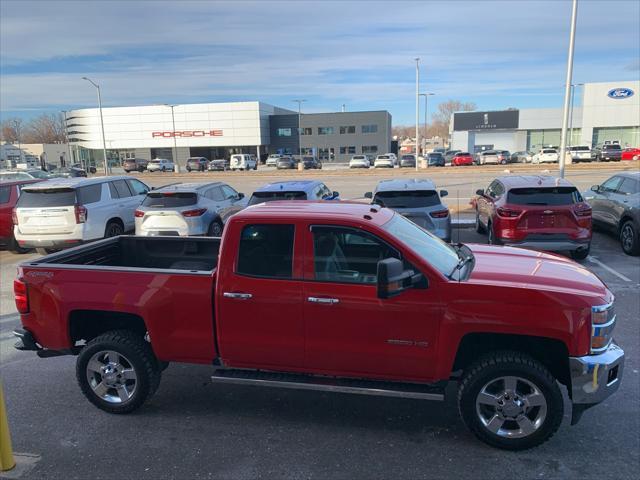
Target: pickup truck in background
(331, 296)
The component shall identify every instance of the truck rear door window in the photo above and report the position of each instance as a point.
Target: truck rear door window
(544, 196)
(405, 199)
(54, 197)
(89, 194)
(170, 199)
(266, 251)
(261, 197)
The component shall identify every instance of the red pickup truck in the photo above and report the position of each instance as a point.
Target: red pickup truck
(340, 297)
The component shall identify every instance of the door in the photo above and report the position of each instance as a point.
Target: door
(602, 204)
(233, 202)
(349, 330)
(8, 194)
(126, 202)
(622, 199)
(259, 299)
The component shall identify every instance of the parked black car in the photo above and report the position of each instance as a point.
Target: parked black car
(435, 159)
(311, 162)
(198, 164)
(134, 165)
(72, 172)
(285, 163)
(607, 153)
(616, 207)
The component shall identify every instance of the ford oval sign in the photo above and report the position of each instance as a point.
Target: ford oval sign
(620, 93)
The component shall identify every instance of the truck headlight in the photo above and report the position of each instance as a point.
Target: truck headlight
(603, 321)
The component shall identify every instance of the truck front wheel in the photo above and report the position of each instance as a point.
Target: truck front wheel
(510, 401)
(117, 371)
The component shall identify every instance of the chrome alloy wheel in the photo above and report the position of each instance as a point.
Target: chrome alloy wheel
(626, 237)
(111, 376)
(511, 407)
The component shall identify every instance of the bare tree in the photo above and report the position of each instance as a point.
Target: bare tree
(46, 128)
(10, 130)
(446, 109)
(439, 125)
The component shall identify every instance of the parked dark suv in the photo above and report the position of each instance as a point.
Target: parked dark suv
(616, 207)
(607, 153)
(134, 165)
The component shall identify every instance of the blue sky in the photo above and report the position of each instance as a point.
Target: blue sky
(360, 53)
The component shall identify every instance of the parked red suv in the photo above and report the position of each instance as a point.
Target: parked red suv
(539, 212)
(463, 158)
(9, 193)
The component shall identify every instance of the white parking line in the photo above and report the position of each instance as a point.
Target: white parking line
(608, 269)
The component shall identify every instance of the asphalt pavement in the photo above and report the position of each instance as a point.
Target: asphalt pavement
(194, 429)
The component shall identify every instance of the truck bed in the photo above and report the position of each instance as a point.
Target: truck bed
(193, 254)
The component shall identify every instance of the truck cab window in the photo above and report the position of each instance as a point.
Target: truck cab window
(266, 251)
(347, 255)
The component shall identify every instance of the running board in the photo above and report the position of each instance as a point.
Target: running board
(329, 384)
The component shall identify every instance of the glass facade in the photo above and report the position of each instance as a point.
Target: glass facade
(625, 136)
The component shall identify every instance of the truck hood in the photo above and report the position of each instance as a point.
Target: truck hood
(519, 267)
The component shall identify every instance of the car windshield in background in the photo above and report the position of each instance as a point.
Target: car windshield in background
(405, 199)
(544, 196)
(55, 197)
(549, 151)
(261, 197)
(612, 147)
(437, 253)
(579, 149)
(169, 199)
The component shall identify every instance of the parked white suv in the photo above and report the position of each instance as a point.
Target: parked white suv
(546, 155)
(243, 161)
(580, 153)
(62, 213)
(160, 165)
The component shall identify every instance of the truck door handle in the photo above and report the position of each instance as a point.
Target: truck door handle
(240, 296)
(330, 301)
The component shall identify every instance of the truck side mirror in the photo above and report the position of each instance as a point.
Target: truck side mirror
(393, 279)
(240, 196)
(368, 195)
(443, 193)
(595, 188)
(480, 192)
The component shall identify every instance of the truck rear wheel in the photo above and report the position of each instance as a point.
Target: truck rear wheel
(117, 371)
(510, 401)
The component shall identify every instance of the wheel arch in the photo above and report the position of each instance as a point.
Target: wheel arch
(551, 352)
(85, 325)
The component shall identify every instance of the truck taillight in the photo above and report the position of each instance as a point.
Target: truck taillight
(14, 216)
(138, 214)
(440, 214)
(508, 212)
(194, 213)
(21, 295)
(81, 213)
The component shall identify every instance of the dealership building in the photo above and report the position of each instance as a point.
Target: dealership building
(603, 113)
(218, 130)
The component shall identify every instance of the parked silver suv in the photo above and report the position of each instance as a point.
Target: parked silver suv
(188, 209)
(64, 212)
(418, 200)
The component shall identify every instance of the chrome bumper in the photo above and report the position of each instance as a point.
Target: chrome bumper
(594, 378)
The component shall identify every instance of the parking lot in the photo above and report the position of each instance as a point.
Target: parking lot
(194, 429)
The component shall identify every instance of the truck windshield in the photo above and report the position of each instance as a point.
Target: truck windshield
(405, 199)
(169, 199)
(544, 196)
(54, 197)
(436, 252)
(261, 197)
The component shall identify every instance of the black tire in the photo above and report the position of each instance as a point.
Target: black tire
(630, 238)
(215, 229)
(137, 352)
(16, 248)
(113, 229)
(255, 167)
(492, 236)
(581, 254)
(479, 226)
(163, 169)
(188, 170)
(491, 368)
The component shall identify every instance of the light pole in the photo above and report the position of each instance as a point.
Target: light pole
(104, 142)
(426, 97)
(573, 91)
(176, 166)
(417, 113)
(66, 136)
(299, 102)
(567, 87)
(16, 126)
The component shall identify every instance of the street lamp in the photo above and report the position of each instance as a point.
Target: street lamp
(567, 87)
(176, 166)
(299, 102)
(426, 97)
(573, 91)
(104, 143)
(16, 126)
(417, 112)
